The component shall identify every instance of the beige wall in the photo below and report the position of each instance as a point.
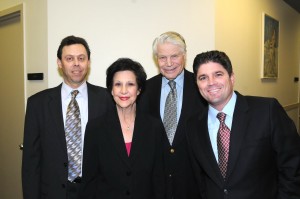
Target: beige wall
(112, 28)
(35, 42)
(4, 4)
(36, 34)
(127, 28)
(238, 29)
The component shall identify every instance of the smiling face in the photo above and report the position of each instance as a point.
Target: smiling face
(125, 89)
(170, 59)
(215, 84)
(74, 64)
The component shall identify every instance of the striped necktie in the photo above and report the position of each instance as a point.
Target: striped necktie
(73, 138)
(223, 140)
(170, 112)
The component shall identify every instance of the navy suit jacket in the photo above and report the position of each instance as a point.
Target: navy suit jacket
(264, 154)
(45, 160)
(108, 171)
(181, 183)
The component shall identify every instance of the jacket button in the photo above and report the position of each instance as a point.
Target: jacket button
(127, 193)
(65, 164)
(172, 150)
(128, 173)
(63, 186)
(225, 191)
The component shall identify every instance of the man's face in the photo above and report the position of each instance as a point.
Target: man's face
(74, 64)
(215, 84)
(170, 59)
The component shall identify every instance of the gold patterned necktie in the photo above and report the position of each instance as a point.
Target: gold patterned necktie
(170, 112)
(223, 141)
(73, 137)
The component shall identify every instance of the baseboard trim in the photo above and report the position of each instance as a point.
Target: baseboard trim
(291, 106)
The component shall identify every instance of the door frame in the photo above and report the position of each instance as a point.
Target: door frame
(12, 12)
(7, 16)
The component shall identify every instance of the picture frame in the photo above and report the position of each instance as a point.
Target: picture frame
(270, 46)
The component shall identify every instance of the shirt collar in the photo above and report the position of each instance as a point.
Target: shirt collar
(178, 80)
(228, 109)
(66, 90)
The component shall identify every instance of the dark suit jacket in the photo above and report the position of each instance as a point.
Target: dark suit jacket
(109, 173)
(45, 160)
(264, 154)
(181, 183)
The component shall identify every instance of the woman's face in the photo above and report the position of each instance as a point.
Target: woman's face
(125, 88)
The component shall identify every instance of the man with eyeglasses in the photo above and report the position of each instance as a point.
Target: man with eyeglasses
(172, 96)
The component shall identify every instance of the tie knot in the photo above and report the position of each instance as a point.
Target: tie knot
(74, 94)
(172, 84)
(221, 116)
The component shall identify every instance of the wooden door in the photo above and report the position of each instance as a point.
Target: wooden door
(12, 102)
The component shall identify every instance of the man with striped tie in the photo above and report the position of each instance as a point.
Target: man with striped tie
(172, 97)
(241, 146)
(55, 125)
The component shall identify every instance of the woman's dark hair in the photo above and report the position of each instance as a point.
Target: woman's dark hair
(126, 64)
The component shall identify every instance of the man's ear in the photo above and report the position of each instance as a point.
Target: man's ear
(58, 61)
(232, 78)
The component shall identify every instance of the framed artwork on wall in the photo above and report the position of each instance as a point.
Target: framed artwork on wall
(270, 44)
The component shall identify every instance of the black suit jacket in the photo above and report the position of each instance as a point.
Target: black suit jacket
(45, 160)
(181, 183)
(264, 154)
(109, 173)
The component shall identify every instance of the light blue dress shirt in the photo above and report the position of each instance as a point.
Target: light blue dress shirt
(165, 89)
(213, 123)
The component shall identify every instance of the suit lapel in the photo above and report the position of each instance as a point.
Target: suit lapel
(140, 126)
(154, 102)
(203, 149)
(115, 133)
(186, 108)
(156, 97)
(238, 131)
(55, 108)
(92, 101)
(138, 140)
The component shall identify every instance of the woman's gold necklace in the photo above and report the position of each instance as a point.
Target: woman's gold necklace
(127, 126)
